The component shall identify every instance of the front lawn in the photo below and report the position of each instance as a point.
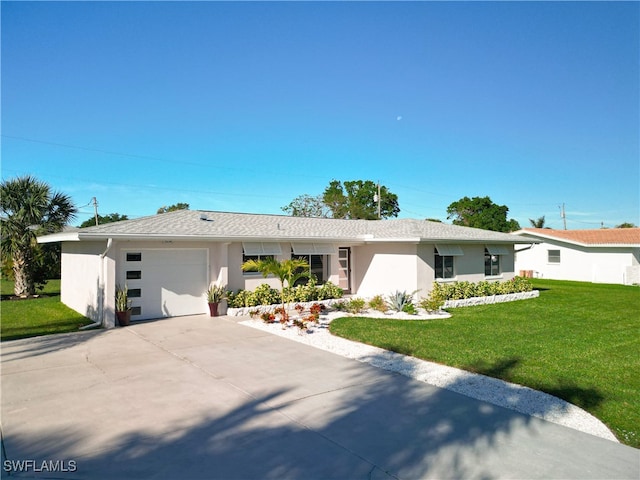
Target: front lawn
(37, 316)
(577, 341)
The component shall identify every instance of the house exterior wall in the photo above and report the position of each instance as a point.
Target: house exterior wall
(468, 267)
(383, 268)
(80, 285)
(585, 264)
(89, 279)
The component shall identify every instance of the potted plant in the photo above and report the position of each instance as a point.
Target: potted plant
(215, 294)
(123, 306)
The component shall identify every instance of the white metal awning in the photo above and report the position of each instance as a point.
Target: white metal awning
(261, 248)
(498, 249)
(314, 249)
(449, 250)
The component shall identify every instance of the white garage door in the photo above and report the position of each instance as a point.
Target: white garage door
(165, 283)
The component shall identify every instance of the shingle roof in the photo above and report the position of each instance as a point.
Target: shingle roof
(601, 236)
(208, 225)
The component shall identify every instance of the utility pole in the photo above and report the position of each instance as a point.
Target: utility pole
(95, 208)
(376, 198)
(563, 215)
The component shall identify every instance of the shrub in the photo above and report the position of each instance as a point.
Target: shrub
(378, 303)
(268, 317)
(265, 294)
(305, 293)
(461, 290)
(435, 300)
(241, 298)
(329, 291)
(410, 308)
(398, 300)
(355, 305)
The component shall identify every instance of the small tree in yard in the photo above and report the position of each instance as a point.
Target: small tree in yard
(29, 208)
(288, 271)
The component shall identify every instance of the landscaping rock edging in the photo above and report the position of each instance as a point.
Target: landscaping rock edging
(509, 297)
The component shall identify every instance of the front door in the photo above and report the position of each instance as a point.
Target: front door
(344, 269)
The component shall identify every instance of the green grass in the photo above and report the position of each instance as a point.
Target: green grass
(37, 316)
(578, 341)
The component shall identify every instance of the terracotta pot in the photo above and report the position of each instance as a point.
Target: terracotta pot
(213, 309)
(124, 318)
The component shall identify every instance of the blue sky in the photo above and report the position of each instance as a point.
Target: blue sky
(244, 106)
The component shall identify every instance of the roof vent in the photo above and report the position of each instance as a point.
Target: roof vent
(204, 218)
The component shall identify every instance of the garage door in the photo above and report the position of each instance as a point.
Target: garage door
(166, 282)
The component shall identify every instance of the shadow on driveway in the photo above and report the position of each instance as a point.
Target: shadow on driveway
(220, 400)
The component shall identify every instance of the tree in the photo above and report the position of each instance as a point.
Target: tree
(481, 212)
(29, 208)
(626, 225)
(288, 271)
(357, 199)
(102, 219)
(538, 223)
(307, 206)
(173, 208)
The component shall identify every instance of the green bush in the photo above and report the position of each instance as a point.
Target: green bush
(353, 305)
(304, 293)
(328, 291)
(356, 305)
(265, 294)
(435, 300)
(410, 308)
(378, 303)
(462, 290)
(240, 298)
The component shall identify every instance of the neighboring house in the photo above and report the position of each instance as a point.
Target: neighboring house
(168, 260)
(599, 256)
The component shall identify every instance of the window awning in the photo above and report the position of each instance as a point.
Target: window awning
(261, 248)
(497, 249)
(314, 249)
(449, 250)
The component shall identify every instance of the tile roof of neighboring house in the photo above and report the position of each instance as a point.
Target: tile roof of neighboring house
(601, 236)
(207, 225)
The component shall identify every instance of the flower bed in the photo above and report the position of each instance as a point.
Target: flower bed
(245, 311)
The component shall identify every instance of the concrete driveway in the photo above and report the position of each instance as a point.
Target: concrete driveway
(200, 397)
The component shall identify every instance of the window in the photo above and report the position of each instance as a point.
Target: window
(257, 258)
(259, 251)
(136, 310)
(134, 293)
(316, 263)
(491, 263)
(134, 257)
(443, 265)
(316, 255)
(134, 274)
(554, 256)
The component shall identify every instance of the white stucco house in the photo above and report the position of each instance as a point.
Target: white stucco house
(599, 256)
(168, 260)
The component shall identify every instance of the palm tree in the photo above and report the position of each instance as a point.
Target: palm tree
(539, 223)
(289, 271)
(29, 208)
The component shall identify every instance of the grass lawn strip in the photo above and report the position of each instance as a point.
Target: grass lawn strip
(498, 392)
(577, 341)
(37, 316)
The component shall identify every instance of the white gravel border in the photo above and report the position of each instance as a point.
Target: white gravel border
(498, 392)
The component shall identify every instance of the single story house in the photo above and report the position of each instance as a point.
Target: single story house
(168, 260)
(601, 256)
